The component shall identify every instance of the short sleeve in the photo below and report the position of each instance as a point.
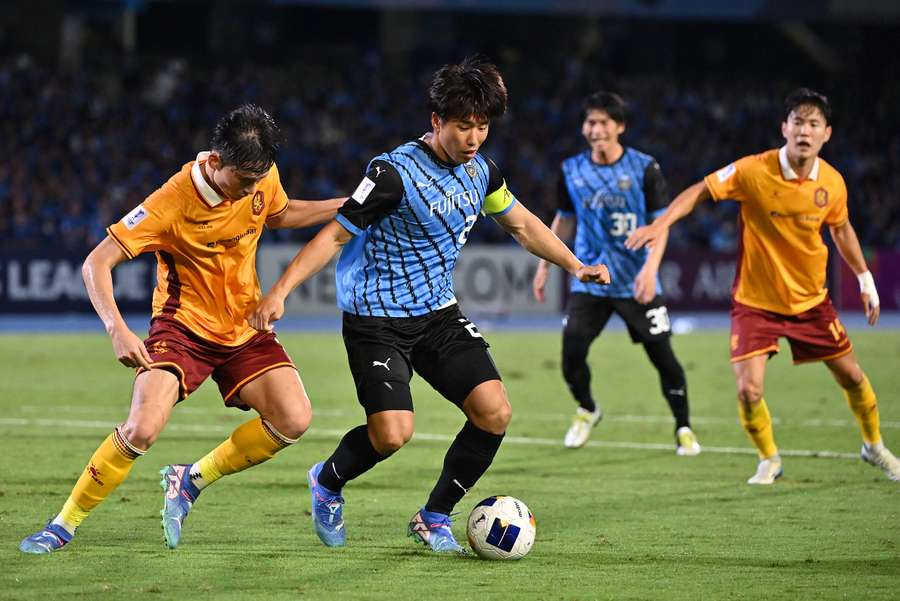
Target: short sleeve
(279, 202)
(146, 227)
(838, 214)
(656, 190)
(730, 182)
(498, 200)
(379, 193)
(564, 203)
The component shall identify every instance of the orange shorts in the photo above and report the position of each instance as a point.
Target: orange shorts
(814, 335)
(173, 347)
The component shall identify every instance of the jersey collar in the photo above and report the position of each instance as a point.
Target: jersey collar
(210, 196)
(788, 173)
(430, 151)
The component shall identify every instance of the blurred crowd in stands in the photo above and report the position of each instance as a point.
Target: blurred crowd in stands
(79, 150)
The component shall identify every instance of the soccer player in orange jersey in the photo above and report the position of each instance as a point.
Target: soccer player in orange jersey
(786, 195)
(204, 225)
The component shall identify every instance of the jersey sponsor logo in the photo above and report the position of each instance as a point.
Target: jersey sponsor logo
(624, 182)
(725, 172)
(133, 218)
(363, 190)
(233, 241)
(601, 199)
(821, 197)
(259, 203)
(452, 201)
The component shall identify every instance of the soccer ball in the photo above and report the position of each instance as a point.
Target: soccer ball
(501, 528)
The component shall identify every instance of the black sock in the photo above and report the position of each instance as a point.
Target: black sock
(672, 380)
(354, 455)
(466, 460)
(576, 371)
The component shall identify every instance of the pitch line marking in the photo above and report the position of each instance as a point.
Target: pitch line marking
(519, 440)
(552, 417)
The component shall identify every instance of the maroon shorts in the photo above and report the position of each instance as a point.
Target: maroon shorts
(814, 335)
(173, 347)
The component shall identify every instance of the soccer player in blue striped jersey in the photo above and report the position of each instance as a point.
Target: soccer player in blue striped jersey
(604, 194)
(401, 233)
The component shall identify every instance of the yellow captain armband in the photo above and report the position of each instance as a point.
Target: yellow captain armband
(499, 201)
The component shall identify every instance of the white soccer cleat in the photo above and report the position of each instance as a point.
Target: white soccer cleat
(582, 424)
(687, 444)
(767, 471)
(879, 456)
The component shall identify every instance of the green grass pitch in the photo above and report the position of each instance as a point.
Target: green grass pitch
(622, 518)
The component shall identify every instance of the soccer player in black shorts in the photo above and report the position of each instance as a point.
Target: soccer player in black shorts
(608, 191)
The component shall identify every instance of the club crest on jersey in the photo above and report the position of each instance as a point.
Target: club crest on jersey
(470, 169)
(821, 197)
(258, 203)
(624, 183)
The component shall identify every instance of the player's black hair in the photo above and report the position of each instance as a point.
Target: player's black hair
(806, 97)
(474, 87)
(610, 103)
(247, 138)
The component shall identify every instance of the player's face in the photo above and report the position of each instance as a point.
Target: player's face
(805, 131)
(600, 131)
(459, 139)
(230, 181)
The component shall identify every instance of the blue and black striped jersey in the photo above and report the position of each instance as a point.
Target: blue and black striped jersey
(411, 215)
(609, 202)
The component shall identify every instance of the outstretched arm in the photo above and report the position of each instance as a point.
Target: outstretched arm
(309, 261)
(535, 237)
(305, 213)
(847, 243)
(682, 206)
(97, 274)
(645, 282)
(563, 227)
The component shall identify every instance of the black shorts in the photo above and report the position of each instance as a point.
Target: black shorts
(443, 347)
(587, 315)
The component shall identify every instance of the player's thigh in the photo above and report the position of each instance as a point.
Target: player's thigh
(586, 316)
(646, 323)
(453, 357)
(279, 397)
(749, 376)
(846, 370)
(754, 332)
(154, 396)
(817, 335)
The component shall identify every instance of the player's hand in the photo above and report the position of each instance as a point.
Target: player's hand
(596, 274)
(645, 236)
(873, 310)
(269, 310)
(129, 349)
(645, 286)
(540, 281)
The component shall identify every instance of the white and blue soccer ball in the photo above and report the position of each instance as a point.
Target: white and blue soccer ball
(501, 527)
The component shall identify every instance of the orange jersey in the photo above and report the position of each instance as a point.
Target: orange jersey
(205, 249)
(782, 262)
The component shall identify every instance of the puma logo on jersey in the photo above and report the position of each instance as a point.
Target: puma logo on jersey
(383, 364)
(378, 171)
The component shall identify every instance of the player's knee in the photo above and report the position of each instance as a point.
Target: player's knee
(140, 435)
(749, 391)
(851, 377)
(388, 440)
(493, 418)
(294, 424)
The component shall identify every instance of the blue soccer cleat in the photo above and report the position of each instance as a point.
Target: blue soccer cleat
(327, 510)
(52, 538)
(180, 497)
(433, 530)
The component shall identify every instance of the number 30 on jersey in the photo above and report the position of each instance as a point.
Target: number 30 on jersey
(623, 224)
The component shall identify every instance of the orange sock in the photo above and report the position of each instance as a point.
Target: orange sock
(864, 405)
(758, 424)
(108, 467)
(250, 444)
